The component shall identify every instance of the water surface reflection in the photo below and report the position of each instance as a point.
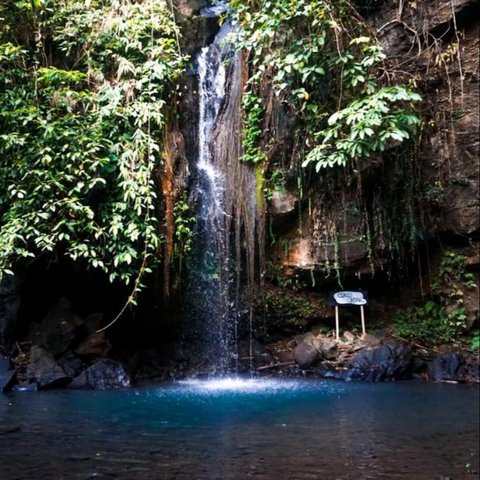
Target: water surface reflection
(237, 429)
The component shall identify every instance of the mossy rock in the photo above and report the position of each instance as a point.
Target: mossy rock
(286, 312)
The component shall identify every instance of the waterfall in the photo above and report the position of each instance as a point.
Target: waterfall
(225, 204)
(211, 284)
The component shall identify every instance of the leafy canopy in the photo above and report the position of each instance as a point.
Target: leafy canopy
(322, 61)
(85, 94)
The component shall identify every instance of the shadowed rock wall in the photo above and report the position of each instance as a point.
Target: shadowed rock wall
(433, 47)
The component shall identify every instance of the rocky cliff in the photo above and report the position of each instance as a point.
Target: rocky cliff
(434, 46)
(404, 225)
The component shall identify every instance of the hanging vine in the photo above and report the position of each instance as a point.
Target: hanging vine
(323, 62)
(351, 116)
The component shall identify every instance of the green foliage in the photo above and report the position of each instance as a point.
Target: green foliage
(184, 227)
(443, 318)
(275, 183)
(321, 61)
(475, 340)
(252, 128)
(365, 126)
(274, 273)
(289, 308)
(428, 324)
(86, 91)
(452, 272)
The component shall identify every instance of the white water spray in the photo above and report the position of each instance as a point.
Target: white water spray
(211, 284)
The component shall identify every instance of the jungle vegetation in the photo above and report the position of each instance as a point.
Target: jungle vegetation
(87, 94)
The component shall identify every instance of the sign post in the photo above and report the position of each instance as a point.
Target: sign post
(362, 313)
(346, 299)
(337, 322)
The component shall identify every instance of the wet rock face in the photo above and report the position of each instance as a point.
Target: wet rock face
(196, 29)
(94, 346)
(388, 361)
(307, 352)
(44, 370)
(7, 373)
(446, 72)
(9, 304)
(445, 367)
(282, 202)
(60, 328)
(311, 348)
(449, 151)
(104, 375)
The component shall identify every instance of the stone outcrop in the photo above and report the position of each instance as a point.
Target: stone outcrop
(445, 367)
(103, 375)
(60, 348)
(387, 361)
(95, 345)
(312, 348)
(307, 351)
(436, 44)
(7, 374)
(44, 370)
(368, 358)
(9, 305)
(59, 329)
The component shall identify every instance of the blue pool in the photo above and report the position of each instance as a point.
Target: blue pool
(241, 429)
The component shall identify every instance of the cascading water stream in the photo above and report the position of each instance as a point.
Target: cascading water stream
(229, 221)
(214, 308)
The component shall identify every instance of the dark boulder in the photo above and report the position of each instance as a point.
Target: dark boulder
(95, 345)
(285, 356)
(328, 348)
(445, 367)
(387, 361)
(60, 328)
(307, 351)
(7, 374)
(328, 370)
(93, 322)
(103, 375)
(310, 349)
(4, 364)
(9, 304)
(71, 364)
(44, 370)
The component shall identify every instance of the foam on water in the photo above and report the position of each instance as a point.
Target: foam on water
(240, 385)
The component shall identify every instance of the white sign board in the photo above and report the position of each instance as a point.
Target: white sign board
(350, 298)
